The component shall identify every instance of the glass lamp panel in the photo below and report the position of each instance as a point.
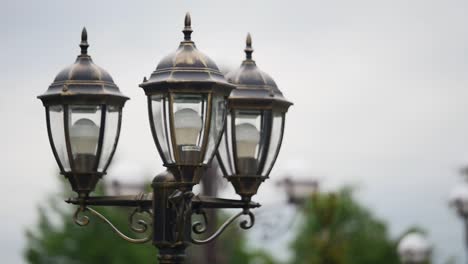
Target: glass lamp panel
(276, 137)
(247, 131)
(189, 119)
(160, 122)
(218, 115)
(265, 132)
(111, 134)
(57, 132)
(225, 154)
(84, 129)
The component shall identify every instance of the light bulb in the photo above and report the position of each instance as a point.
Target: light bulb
(187, 124)
(84, 136)
(247, 139)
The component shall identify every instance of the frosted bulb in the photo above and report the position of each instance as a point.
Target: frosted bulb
(247, 139)
(187, 124)
(84, 136)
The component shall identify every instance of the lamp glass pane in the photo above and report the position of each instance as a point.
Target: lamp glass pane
(58, 134)
(225, 154)
(84, 125)
(160, 122)
(110, 136)
(189, 119)
(248, 137)
(217, 124)
(275, 142)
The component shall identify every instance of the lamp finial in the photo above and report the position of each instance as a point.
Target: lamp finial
(248, 47)
(84, 42)
(188, 27)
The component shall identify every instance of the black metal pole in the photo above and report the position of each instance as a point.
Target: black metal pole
(172, 211)
(209, 187)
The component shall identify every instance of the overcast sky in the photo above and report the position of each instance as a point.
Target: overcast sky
(380, 91)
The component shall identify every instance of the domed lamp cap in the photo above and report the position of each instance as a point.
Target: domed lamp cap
(187, 69)
(253, 86)
(83, 83)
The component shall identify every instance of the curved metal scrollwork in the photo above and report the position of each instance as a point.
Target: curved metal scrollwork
(247, 224)
(140, 226)
(83, 220)
(200, 228)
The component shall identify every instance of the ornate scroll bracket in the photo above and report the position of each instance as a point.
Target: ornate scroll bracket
(139, 227)
(199, 227)
(247, 224)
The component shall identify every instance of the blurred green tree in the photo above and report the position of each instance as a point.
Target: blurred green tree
(337, 230)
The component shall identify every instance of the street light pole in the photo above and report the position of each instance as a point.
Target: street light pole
(172, 225)
(465, 222)
(459, 201)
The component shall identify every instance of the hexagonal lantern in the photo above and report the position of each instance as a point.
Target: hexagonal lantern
(254, 126)
(83, 111)
(187, 97)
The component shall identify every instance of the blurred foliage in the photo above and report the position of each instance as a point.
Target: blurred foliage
(450, 260)
(337, 230)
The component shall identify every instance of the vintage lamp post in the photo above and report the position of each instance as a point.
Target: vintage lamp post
(187, 99)
(414, 249)
(459, 201)
(299, 191)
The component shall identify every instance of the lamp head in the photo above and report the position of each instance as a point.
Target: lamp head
(83, 113)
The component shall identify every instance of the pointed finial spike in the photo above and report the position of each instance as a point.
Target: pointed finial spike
(188, 27)
(84, 42)
(248, 47)
(188, 20)
(84, 34)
